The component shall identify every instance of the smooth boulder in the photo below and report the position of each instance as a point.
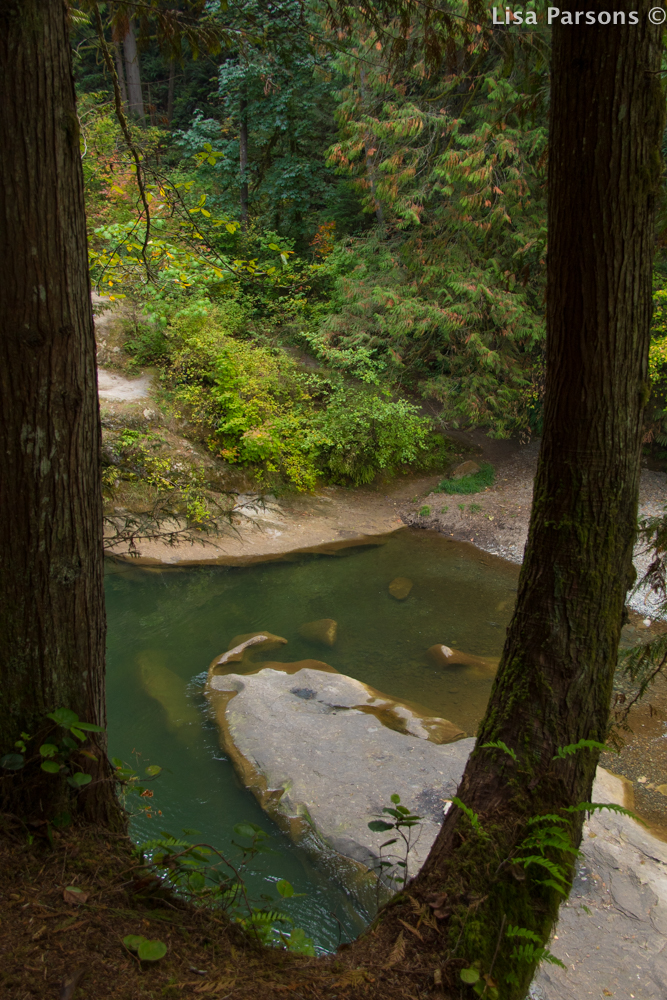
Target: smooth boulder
(324, 631)
(242, 647)
(445, 656)
(323, 753)
(400, 587)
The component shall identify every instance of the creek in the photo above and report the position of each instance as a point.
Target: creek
(166, 625)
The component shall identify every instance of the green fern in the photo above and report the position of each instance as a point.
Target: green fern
(472, 816)
(572, 748)
(591, 807)
(499, 745)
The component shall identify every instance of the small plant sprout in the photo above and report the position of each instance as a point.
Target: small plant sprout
(402, 823)
(424, 511)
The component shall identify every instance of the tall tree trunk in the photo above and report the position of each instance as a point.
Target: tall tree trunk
(133, 73)
(52, 625)
(555, 677)
(118, 60)
(243, 157)
(170, 90)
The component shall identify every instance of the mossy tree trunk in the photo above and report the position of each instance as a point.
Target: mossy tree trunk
(52, 623)
(554, 682)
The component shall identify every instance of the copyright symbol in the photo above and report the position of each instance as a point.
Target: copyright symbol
(656, 15)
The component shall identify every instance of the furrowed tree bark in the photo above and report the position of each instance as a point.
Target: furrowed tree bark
(135, 97)
(555, 678)
(116, 37)
(52, 622)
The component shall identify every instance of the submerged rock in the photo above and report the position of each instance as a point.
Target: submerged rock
(465, 469)
(400, 587)
(168, 689)
(242, 646)
(324, 630)
(323, 753)
(445, 656)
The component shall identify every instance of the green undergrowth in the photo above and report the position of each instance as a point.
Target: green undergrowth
(469, 484)
(255, 407)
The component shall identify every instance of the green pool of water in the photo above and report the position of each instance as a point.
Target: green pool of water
(165, 626)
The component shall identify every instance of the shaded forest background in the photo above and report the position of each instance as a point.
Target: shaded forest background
(347, 248)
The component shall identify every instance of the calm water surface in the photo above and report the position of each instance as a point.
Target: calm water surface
(165, 626)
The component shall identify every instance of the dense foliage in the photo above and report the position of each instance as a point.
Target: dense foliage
(335, 193)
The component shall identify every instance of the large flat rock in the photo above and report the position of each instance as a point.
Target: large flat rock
(317, 750)
(308, 744)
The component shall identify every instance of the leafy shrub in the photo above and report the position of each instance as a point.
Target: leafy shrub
(257, 408)
(363, 432)
(469, 484)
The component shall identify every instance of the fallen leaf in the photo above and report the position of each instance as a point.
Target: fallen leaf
(413, 930)
(437, 902)
(397, 952)
(74, 895)
(71, 983)
(69, 926)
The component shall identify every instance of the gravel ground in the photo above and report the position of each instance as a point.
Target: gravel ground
(496, 519)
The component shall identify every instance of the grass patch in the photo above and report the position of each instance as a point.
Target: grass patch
(469, 484)
(425, 512)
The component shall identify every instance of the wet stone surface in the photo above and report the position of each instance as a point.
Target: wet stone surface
(313, 747)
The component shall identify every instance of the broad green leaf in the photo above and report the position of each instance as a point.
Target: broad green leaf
(284, 888)
(273, 246)
(245, 830)
(132, 941)
(197, 881)
(79, 779)
(379, 826)
(12, 761)
(48, 749)
(151, 951)
(90, 727)
(50, 766)
(64, 717)
(77, 732)
(469, 975)
(300, 943)
(153, 770)
(395, 798)
(117, 762)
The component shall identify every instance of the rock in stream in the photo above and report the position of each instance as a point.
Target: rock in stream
(323, 753)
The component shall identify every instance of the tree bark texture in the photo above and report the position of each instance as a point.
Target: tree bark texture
(120, 73)
(555, 678)
(135, 97)
(243, 158)
(52, 621)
